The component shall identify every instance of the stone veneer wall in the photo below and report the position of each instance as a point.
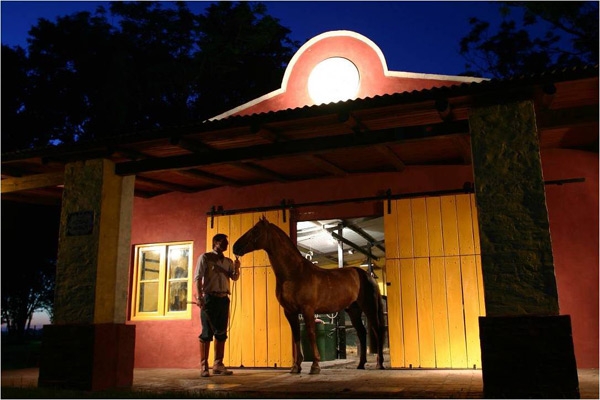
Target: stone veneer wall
(90, 347)
(516, 249)
(526, 347)
(78, 243)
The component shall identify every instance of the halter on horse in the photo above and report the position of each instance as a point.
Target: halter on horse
(303, 288)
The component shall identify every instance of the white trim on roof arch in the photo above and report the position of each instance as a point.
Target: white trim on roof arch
(377, 50)
(342, 33)
(308, 44)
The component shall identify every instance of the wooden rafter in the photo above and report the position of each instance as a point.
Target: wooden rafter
(259, 170)
(295, 147)
(208, 177)
(29, 182)
(391, 157)
(325, 165)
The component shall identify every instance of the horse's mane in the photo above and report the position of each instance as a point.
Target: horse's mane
(280, 233)
(283, 238)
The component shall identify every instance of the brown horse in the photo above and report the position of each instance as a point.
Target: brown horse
(303, 288)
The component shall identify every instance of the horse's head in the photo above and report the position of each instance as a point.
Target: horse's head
(254, 239)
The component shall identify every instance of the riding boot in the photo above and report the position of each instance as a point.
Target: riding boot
(218, 367)
(204, 351)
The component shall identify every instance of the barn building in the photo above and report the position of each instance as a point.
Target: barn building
(477, 200)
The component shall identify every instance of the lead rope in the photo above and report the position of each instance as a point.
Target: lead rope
(233, 296)
(231, 315)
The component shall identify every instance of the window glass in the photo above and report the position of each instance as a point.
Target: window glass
(162, 281)
(178, 277)
(149, 296)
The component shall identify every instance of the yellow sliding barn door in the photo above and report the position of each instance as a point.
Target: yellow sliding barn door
(435, 287)
(259, 334)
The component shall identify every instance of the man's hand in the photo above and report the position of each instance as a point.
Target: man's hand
(200, 301)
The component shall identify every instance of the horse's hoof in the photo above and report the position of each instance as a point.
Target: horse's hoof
(361, 366)
(315, 370)
(295, 369)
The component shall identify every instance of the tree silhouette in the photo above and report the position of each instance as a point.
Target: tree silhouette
(29, 244)
(138, 66)
(571, 39)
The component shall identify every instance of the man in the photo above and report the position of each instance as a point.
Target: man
(213, 272)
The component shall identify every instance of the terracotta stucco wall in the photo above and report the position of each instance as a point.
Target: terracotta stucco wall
(175, 217)
(573, 213)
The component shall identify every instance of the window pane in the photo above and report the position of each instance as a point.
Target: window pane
(149, 297)
(178, 262)
(150, 265)
(178, 296)
(162, 283)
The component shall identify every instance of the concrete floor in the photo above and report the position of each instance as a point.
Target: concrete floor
(338, 379)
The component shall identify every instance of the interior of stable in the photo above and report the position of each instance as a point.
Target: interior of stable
(337, 243)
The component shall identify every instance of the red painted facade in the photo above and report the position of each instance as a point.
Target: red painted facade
(573, 208)
(573, 213)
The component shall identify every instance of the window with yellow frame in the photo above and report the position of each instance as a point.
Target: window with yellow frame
(162, 284)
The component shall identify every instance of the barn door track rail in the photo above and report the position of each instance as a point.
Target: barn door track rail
(285, 205)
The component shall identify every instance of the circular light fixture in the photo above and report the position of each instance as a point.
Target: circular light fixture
(334, 79)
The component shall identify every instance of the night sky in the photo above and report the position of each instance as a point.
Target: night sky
(419, 36)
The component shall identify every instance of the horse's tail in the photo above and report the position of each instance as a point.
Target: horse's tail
(380, 313)
(376, 295)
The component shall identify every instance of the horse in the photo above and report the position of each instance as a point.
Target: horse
(303, 288)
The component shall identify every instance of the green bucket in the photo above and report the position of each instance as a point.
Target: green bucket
(326, 335)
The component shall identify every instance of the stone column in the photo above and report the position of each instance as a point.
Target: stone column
(89, 346)
(526, 346)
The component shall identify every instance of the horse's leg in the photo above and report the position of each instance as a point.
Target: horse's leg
(374, 312)
(377, 331)
(297, 344)
(355, 313)
(309, 321)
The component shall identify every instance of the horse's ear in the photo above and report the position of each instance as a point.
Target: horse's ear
(264, 218)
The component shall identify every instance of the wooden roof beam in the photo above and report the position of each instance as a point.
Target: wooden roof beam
(46, 196)
(193, 146)
(463, 144)
(295, 147)
(208, 177)
(131, 154)
(13, 171)
(325, 165)
(267, 134)
(29, 182)
(544, 96)
(145, 194)
(352, 122)
(259, 170)
(391, 157)
(575, 116)
(444, 109)
(166, 185)
(72, 156)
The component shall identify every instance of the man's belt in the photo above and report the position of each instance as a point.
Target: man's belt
(218, 294)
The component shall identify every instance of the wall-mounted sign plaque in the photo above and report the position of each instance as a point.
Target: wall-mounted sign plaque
(80, 223)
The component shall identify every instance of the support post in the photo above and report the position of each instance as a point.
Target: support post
(526, 347)
(90, 346)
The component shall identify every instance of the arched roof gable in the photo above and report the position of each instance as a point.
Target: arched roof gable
(367, 57)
